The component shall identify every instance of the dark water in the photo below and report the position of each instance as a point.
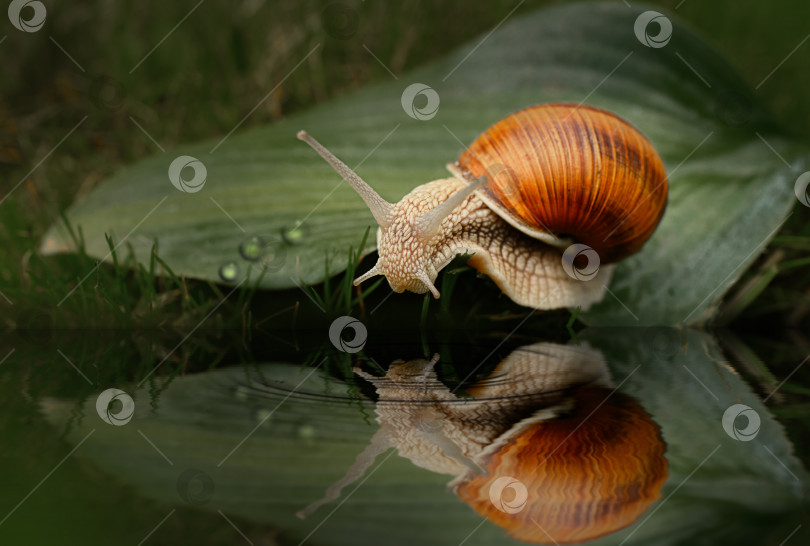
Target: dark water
(647, 436)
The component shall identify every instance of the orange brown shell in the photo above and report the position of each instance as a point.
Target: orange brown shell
(573, 171)
(587, 474)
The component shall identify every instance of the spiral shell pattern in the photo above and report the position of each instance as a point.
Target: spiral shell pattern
(577, 172)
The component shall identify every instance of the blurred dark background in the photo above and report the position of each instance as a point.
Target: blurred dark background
(216, 65)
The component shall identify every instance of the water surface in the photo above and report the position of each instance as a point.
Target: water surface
(645, 436)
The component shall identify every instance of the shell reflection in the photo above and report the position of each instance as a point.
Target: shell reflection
(544, 447)
(587, 474)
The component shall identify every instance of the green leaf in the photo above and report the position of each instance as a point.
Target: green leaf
(729, 190)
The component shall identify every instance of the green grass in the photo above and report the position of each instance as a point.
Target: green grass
(76, 290)
(337, 296)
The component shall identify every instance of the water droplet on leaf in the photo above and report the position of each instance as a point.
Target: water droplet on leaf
(229, 272)
(293, 235)
(306, 432)
(263, 415)
(251, 248)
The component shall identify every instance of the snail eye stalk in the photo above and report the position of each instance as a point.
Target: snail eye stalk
(380, 208)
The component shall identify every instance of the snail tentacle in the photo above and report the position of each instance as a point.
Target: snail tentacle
(430, 222)
(373, 272)
(380, 208)
(380, 443)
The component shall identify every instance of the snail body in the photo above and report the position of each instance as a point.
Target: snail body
(440, 431)
(533, 184)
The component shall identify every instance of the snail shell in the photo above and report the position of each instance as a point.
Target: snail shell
(568, 171)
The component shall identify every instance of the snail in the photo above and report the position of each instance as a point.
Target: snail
(533, 184)
(589, 460)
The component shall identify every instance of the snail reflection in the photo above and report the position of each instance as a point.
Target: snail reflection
(543, 447)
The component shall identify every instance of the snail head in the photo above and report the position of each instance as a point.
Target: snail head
(409, 229)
